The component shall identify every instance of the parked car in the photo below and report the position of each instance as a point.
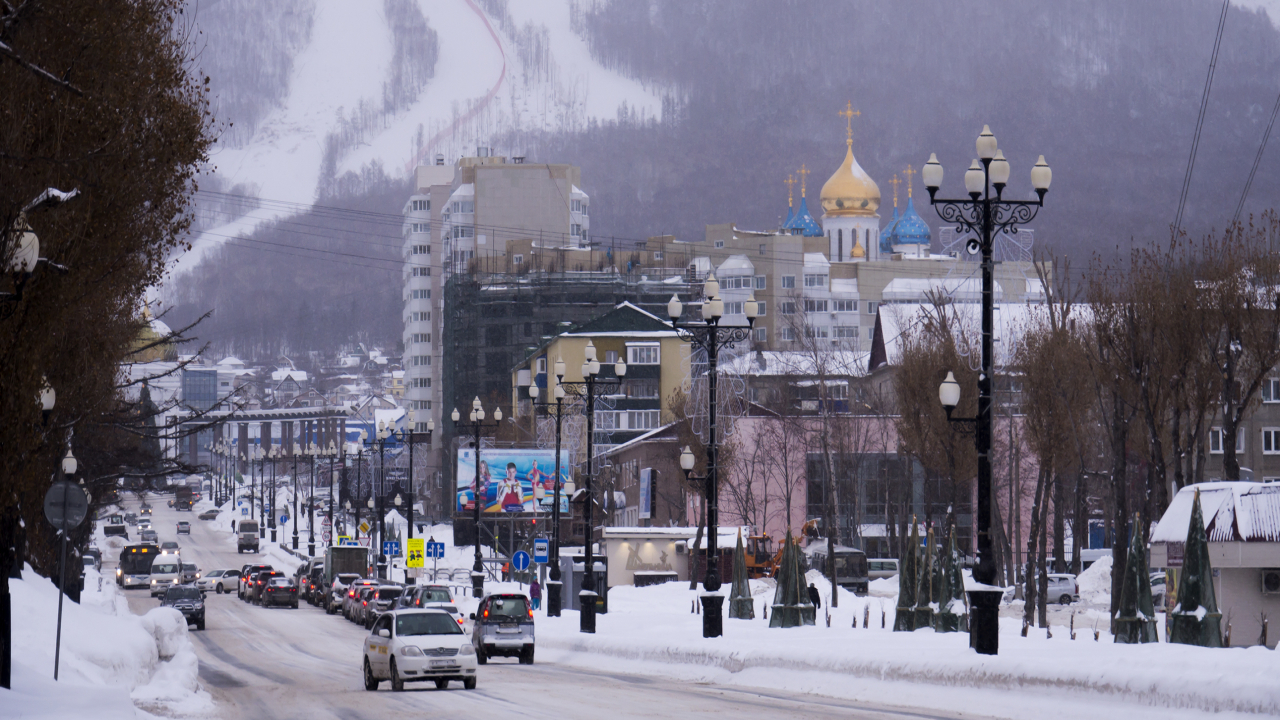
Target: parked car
(352, 598)
(503, 625)
(97, 556)
(248, 573)
(190, 573)
(170, 547)
(254, 592)
(184, 528)
(166, 571)
(187, 600)
(278, 590)
(208, 515)
(882, 568)
(219, 581)
(418, 645)
(148, 536)
(89, 563)
(1063, 588)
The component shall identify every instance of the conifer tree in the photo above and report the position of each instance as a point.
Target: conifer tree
(741, 605)
(908, 580)
(1196, 620)
(1136, 622)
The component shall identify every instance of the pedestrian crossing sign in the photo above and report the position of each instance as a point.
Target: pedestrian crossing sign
(417, 551)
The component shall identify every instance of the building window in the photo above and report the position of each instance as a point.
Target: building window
(642, 419)
(1271, 441)
(761, 334)
(1271, 390)
(517, 259)
(422, 272)
(788, 282)
(1215, 441)
(787, 333)
(421, 250)
(762, 248)
(421, 317)
(871, 307)
(819, 332)
(719, 243)
(422, 337)
(815, 280)
(421, 360)
(421, 294)
(577, 206)
(845, 332)
(420, 227)
(420, 382)
(420, 205)
(610, 357)
(761, 308)
(811, 306)
(464, 206)
(844, 306)
(787, 308)
(657, 254)
(542, 366)
(733, 308)
(642, 389)
(642, 355)
(760, 281)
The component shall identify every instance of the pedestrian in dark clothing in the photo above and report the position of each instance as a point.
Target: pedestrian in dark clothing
(535, 593)
(814, 597)
(233, 524)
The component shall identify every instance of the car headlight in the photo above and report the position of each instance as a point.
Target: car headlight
(467, 649)
(411, 651)
(153, 582)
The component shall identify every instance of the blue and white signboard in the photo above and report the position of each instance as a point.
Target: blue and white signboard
(435, 550)
(391, 548)
(244, 511)
(520, 561)
(284, 519)
(646, 492)
(541, 551)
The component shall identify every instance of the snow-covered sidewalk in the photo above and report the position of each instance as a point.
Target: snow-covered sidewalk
(652, 631)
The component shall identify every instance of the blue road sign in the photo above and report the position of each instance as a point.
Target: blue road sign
(391, 548)
(435, 550)
(244, 512)
(520, 561)
(284, 519)
(541, 551)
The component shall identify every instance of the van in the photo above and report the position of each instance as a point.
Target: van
(879, 568)
(247, 536)
(166, 572)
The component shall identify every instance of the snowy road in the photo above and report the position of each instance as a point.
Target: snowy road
(277, 662)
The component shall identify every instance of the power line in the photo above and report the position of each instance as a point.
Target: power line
(1256, 161)
(1204, 104)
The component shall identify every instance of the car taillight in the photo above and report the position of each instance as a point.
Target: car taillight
(486, 612)
(459, 621)
(530, 613)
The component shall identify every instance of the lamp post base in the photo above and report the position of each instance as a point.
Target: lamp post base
(477, 584)
(273, 534)
(984, 620)
(553, 597)
(311, 548)
(712, 616)
(295, 542)
(587, 611)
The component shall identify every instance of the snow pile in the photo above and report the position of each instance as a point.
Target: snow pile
(110, 658)
(653, 631)
(1095, 582)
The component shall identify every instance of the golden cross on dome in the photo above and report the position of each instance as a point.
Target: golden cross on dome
(895, 182)
(803, 172)
(790, 182)
(909, 173)
(848, 113)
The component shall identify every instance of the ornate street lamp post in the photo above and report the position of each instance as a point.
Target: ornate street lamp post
(410, 437)
(554, 585)
(710, 337)
(297, 450)
(590, 389)
(476, 425)
(984, 216)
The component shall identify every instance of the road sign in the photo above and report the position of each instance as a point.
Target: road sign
(391, 548)
(244, 512)
(325, 536)
(435, 550)
(416, 552)
(364, 527)
(520, 561)
(347, 540)
(65, 505)
(541, 551)
(284, 519)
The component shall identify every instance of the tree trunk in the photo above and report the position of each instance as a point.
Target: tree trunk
(1042, 577)
(1059, 525)
(1119, 501)
(1079, 521)
(1033, 541)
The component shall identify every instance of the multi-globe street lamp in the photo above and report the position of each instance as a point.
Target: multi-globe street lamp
(711, 337)
(984, 216)
(297, 450)
(477, 425)
(410, 437)
(556, 410)
(589, 389)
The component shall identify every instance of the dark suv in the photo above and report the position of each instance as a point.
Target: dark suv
(187, 600)
(278, 591)
(254, 593)
(248, 574)
(503, 625)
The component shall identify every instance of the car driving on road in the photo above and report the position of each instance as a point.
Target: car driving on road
(248, 574)
(190, 573)
(166, 571)
(352, 599)
(219, 581)
(187, 600)
(278, 591)
(338, 591)
(254, 592)
(184, 528)
(149, 536)
(418, 645)
(503, 625)
(208, 515)
(169, 547)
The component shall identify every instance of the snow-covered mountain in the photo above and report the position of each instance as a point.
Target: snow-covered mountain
(334, 100)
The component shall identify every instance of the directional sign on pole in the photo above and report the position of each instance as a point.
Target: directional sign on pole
(325, 536)
(416, 551)
(364, 527)
(347, 540)
(520, 561)
(391, 548)
(284, 519)
(541, 551)
(435, 550)
(65, 505)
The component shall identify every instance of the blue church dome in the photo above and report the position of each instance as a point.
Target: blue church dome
(886, 235)
(911, 229)
(802, 222)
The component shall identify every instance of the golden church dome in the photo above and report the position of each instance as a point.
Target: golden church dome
(850, 191)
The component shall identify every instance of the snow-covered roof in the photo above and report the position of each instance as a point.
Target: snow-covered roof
(231, 361)
(1233, 512)
(844, 285)
(816, 261)
(464, 190)
(736, 265)
(803, 364)
(1012, 320)
(914, 290)
(297, 375)
(575, 190)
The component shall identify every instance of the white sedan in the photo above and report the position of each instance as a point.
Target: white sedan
(220, 581)
(412, 645)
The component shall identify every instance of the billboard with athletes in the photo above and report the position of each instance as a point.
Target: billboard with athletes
(515, 480)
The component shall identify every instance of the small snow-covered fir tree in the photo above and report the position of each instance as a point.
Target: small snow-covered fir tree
(741, 606)
(1136, 622)
(1196, 620)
